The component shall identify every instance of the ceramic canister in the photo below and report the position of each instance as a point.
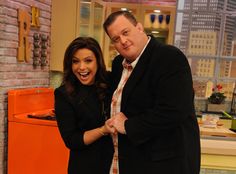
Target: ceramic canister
(233, 124)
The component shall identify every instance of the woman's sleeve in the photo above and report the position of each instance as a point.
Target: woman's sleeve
(66, 120)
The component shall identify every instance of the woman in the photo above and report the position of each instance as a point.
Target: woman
(81, 105)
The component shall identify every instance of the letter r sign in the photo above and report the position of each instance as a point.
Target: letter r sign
(24, 29)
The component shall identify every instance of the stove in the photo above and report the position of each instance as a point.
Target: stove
(34, 142)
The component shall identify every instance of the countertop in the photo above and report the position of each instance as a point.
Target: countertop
(218, 146)
(219, 140)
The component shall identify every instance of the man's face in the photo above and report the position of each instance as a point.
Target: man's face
(127, 38)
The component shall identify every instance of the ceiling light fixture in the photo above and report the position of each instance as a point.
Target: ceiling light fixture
(155, 32)
(157, 11)
(123, 9)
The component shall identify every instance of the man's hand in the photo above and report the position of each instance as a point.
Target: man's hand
(118, 122)
(109, 127)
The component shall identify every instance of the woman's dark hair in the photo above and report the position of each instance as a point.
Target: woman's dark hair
(70, 80)
(112, 17)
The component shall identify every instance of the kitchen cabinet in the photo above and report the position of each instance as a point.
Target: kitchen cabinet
(63, 30)
(159, 23)
(70, 20)
(90, 19)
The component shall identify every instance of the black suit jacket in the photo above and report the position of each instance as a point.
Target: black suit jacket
(162, 130)
(74, 117)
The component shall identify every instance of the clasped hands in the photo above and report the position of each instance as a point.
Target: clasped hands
(116, 123)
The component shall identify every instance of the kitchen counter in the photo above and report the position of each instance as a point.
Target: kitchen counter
(218, 148)
(218, 154)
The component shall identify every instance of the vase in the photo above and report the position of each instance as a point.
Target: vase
(152, 18)
(167, 19)
(216, 107)
(160, 18)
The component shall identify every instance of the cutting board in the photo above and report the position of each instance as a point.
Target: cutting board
(217, 131)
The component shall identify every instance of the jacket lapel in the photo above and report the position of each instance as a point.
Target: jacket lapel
(137, 73)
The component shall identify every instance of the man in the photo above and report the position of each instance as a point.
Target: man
(152, 111)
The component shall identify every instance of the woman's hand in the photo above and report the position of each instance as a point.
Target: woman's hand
(108, 127)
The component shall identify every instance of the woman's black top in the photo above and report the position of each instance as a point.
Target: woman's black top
(77, 114)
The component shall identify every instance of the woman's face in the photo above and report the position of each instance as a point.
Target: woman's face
(84, 66)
